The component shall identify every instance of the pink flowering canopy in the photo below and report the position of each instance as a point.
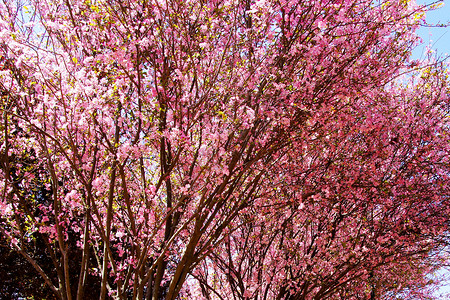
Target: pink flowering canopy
(195, 149)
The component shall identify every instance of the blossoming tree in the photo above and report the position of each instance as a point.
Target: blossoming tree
(223, 149)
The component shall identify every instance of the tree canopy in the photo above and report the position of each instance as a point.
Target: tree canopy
(165, 149)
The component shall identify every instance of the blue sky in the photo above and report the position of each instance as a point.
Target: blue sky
(437, 37)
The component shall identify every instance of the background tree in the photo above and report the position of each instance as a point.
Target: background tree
(272, 147)
(355, 218)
